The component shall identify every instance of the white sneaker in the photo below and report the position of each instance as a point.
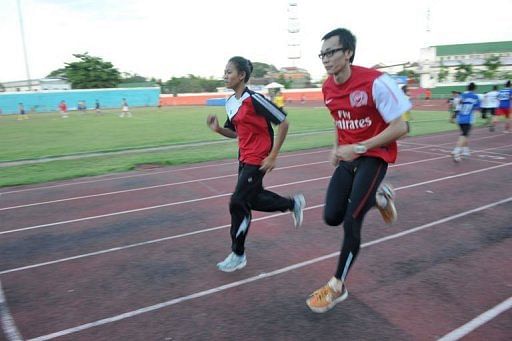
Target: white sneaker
(232, 262)
(298, 209)
(385, 202)
(465, 152)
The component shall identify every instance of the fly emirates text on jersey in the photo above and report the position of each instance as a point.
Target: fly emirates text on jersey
(345, 121)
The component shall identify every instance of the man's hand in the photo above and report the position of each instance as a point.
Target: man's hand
(346, 152)
(333, 157)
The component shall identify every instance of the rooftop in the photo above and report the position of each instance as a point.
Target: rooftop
(476, 48)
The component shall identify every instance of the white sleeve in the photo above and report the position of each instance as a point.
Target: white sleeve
(390, 101)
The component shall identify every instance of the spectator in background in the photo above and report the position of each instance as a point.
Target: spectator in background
(454, 102)
(22, 114)
(97, 107)
(279, 99)
(469, 102)
(492, 103)
(125, 111)
(428, 94)
(63, 109)
(81, 106)
(406, 117)
(504, 96)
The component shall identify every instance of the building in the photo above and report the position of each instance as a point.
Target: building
(42, 84)
(297, 77)
(433, 59)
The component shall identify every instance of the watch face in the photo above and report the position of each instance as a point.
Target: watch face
(360, 149)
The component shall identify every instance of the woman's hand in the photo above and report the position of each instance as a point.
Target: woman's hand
(268, 164)
(213, 123)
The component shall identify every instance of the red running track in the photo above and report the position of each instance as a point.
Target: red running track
(132, 256)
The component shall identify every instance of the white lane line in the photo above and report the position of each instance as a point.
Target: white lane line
(162, 185)
(184, 182)
(478, 321)
(148, 187)
(180, 183)
(206, 166)
(129, 246)
(181, 202)
(255, 278)
(119, 248)
(475, 155)
(426, 145)
(8, 325)
(147, 208)
(146, 174)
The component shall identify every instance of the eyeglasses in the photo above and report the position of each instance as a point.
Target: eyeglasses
(330, 53)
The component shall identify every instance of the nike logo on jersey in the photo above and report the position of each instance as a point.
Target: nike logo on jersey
(327, 101)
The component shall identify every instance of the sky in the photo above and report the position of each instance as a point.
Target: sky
(173, 38)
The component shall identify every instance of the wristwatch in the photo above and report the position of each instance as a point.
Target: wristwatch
(360, 148)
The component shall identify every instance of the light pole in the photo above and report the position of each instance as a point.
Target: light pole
(27, 69)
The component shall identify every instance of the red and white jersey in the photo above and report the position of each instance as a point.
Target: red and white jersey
(363, 106)
(251, 117)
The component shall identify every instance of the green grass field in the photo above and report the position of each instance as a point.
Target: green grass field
(177, 128)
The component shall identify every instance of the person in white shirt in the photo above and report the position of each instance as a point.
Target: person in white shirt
(492, 103)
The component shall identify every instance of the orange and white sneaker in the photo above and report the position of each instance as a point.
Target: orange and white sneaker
(328, 296)
(385, 197)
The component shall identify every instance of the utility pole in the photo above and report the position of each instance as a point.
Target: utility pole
(27, 69)
(294, 49)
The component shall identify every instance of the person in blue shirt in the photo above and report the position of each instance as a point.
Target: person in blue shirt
(469, 102)
(504, 97)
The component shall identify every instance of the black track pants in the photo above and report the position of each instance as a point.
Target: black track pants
(250, 195)
(350, 195)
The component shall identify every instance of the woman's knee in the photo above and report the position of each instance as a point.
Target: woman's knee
(237, 203)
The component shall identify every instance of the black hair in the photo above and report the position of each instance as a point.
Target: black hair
(495, 87)
(471, 86)
(242, 65)
(507, 84)
(346, 39)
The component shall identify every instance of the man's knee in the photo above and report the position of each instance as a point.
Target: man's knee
(332, 219)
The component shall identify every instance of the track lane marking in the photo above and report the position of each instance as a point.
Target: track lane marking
(146, 174)
(478, 321)
(129, 246)
(14, 230)
(8, 326)
(224, 287)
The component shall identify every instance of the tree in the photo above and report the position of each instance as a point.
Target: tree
(410, 75)
(492, 64)
(285, 82)
(59, 73)
(443, 73)
(191, 83)
(463, 72)
(506, 75)
(133, 78)
(261, 69)
(91, 73)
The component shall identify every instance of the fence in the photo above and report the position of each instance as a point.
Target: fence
(47, 101)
